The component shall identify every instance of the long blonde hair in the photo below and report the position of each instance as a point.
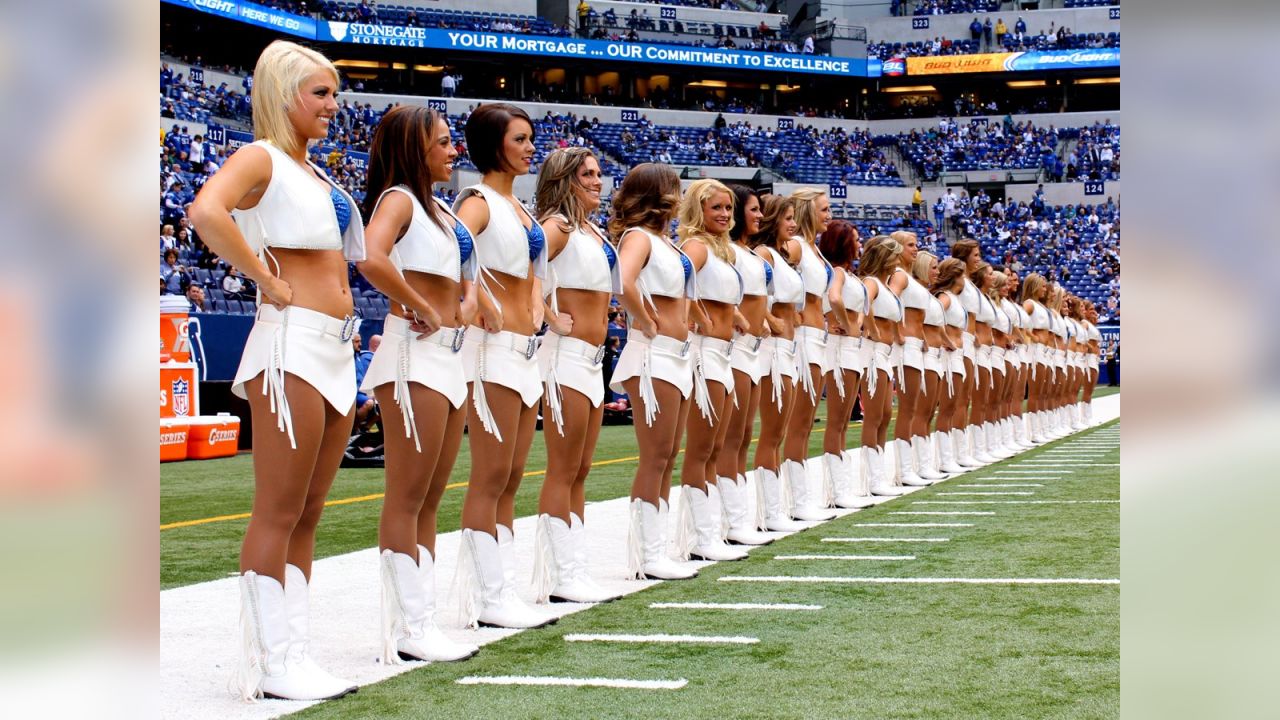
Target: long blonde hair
(879, 256)
(557, 179)
(921, 268)
(693, 224)
(806, 199)
(277, 83)
(1031, 286)
(998, 279)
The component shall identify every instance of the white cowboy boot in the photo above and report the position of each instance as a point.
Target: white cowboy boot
(733, 495)
(647, 547)
(880, 483)
(804, 505)
(707, 544)
(486, 601)
(777, 519)
(409, 630)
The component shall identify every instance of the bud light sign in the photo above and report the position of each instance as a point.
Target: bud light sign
(894, 66)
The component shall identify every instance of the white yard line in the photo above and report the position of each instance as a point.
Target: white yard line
(845, 557)
(901, 525)
(920, 581)
(662, 638)
(880, 539)
(991, 485)
(731, 606)
(573, 682)
(921, 512)
(1014, 502)
(1012, 492)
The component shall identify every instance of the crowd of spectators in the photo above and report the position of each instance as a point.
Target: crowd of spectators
(807, 154)
(1096, 155)
(985, 38)
(978, 145)
(182, 99)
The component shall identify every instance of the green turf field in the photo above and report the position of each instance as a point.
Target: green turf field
(201, 490)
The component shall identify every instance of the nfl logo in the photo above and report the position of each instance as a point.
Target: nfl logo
(181, 398)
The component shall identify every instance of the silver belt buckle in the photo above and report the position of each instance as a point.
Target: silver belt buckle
(599, 357)
(825, 334)
(729, 350)
(759, 342)
(684, 349)
(532, 347)
(349, 325)
(458, 335)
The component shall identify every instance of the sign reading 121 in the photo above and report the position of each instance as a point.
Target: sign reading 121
(838, 192)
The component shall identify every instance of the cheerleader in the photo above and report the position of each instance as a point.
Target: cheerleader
(706, 213)
(420, 256)
(582, 277)
(950, 433)
(1058, 427)
(499, 354)
(1075, 360)
(813, 213)
(968, 252)
(297, 370)
(655, 368)
(1035, 292)
(923, 445)
(1001, 329)
(744, 359)
(776, 246)
(979, 413)
(1016, 357)
(909, 359)
(878, 263)
(847, 360)
(1094, 345)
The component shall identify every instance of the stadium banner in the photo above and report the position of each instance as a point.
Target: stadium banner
(1014, 62)
(567, 47)
(253, 14)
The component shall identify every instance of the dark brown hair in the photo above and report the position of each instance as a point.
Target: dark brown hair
(397, 156)
(741, 194)
(839, 244)
(487, 129)
(775, 208)
(648, 197)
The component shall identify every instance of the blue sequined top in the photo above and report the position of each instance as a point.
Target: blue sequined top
(465, 243)
(536, 240)
(688, 266)
(768, 273)
(828, 274)
(611, 254)
(341, 208)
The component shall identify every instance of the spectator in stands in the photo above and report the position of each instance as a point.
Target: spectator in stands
(448, 85)
(195, 294)
(365, 403)
(174, 275)
(940, 213)
(1000, 31)
(975, 30)
(1020, 29)
(986, 33)
(168, 241)
(808, 45)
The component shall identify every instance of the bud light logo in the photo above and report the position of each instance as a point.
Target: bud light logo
(894, 66)
(181, 392)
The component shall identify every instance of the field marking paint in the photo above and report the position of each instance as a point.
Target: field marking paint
(921, 581)
(731, 606)
(907, 512)
(1013, 502)
(991, 485)
(1066, 463)
(573, 682)
(845, 557)
(927, 524)
(662, 638)
(877, 539)
(1011, 471)
(987, 493)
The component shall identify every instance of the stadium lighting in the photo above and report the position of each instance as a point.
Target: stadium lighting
(910, 88)
(1025, 83)
(1098, 81)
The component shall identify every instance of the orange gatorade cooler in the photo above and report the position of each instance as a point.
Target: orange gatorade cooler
(213, 436)
(179, 391)
(173, 439)
(174, 342)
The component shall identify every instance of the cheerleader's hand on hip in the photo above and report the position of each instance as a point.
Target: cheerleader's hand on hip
(425, 321)
(646, 325)
(277, 292)
(560, 323)
(490, 318)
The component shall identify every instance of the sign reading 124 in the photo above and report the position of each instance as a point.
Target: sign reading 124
(1095, 187)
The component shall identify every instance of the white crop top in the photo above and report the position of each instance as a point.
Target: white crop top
(586, 262)
(1002, 322)
(1039, 317)
(1017, 316)
(787, 285)
(854, 293)
(506, 245)
(933, 313)
(757, 275)
(969, 295)
(914, 295)
(295, 213)
(955, 314)
(1092, 331)
(886, 305)
(667, 273)
(718, 281)
(815, 271)
(1056, 325)
(426, 248)
(986, 311)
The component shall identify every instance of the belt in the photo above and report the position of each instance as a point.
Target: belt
(446, 337)
(807, 331)
(750, 342)
(661, 342)
(579, 348)
(525, 345)
(724, 347)
(343, 328)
